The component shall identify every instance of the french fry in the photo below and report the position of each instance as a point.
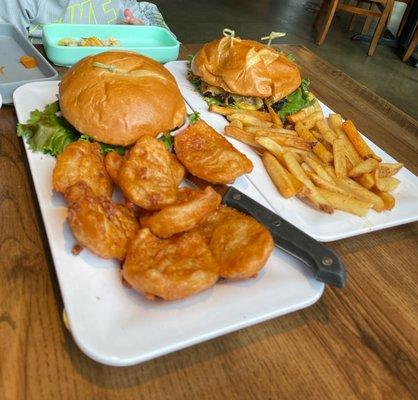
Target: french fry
(229, 111)
(241, 135)
(316, 134)
(330, 170)
(323, 183)
(278, 151)
(310, 121)
(279, 175)
(236, 123)
(319, 149)
(282, 131)
(325, 131)
(361, 193)
(345, 203)
(296, 152)
(388, 169)
(388, 199)
(387, 184)
(314, 196)
(306, 168)
(340, 164)
(274, 117)
(317, 167)
(248, 119)
(301, 189)
(273, 147)
(290, 141)
(364, 167)
(358, 142)
(366, 180)
(296, 155)
(335, 123)
(300, 115)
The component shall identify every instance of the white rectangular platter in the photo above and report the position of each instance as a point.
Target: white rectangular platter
(117, 326)
(321, 226)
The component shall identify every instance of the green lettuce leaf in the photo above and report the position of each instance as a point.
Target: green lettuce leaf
(46, 131)
(213, 101)
(168, 141)
(296, 100)
(104, 147)
(194, 117)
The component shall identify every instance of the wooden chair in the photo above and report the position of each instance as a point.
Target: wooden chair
(409, 4)
(411, 46)
(329, 8)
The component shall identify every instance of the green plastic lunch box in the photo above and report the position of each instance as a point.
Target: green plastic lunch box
(151, 41)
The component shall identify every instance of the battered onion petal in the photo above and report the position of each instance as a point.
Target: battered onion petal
(100, 225)
(169, 268)
(238, 242)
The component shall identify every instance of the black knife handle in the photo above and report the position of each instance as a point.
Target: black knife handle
(326, 265)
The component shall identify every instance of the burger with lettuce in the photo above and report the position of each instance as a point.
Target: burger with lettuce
(246, 74)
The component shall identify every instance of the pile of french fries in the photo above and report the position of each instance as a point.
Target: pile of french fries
(322, 161)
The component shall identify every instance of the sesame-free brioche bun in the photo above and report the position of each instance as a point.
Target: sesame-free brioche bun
(246, 68)
(118, 96)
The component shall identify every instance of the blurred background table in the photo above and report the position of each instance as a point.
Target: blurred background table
(359, 342)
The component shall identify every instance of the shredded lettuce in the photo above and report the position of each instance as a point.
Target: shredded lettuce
(194, 117)
(168, 141)
(291, 57)
(295, 101)
(46, 131)
(213, 101)
(104, 147)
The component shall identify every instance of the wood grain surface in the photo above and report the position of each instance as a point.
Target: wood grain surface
(356, 343)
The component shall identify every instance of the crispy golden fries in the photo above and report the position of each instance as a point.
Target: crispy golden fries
(301, 115)
(388, 199)
(228, 111)
(274, 117)
(388, 169)
(323, 183)
(366, 180)
(314, 196)
(361, 193)
(282, 131)
(323, 161)
(318, 148)
(326, 131)
(278, 174)
(387, 184)
(340, 163)
(310, 121)
(248, 119)
(317, 135)
(335, 123)
(237, 124)
(345, 203)
(317, 167)
(241, 135)
(358, 142)
(364, 167)
(284, 140)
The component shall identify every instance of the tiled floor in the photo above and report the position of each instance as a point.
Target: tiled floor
(200, 21)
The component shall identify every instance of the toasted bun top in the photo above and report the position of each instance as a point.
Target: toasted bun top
(118, 96)
(247, 68)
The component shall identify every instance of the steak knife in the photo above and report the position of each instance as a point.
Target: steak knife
(324, 263)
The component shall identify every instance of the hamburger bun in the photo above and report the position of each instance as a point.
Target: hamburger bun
(246, 68)
(118, 96)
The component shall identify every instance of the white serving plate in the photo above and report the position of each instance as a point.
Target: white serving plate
(321, 226)
(117, 326)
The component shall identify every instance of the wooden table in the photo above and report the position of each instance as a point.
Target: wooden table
(360, 342)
